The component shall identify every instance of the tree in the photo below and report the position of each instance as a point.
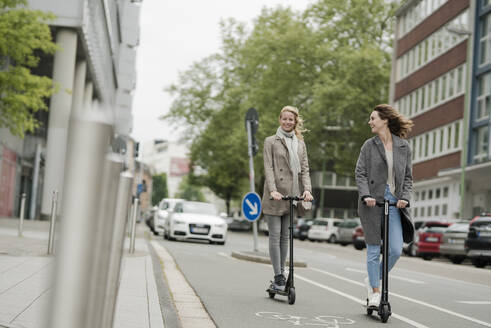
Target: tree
(333, 62)
(159, 188)
(189, 191)
(24, 35)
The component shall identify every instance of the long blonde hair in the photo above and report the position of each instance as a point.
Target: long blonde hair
(299, 129)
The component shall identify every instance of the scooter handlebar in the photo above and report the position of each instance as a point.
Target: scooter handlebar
(297, 198)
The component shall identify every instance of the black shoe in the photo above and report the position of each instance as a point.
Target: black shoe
(279, 282)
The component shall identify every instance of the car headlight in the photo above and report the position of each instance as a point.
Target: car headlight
(223, 225)
(179, 222)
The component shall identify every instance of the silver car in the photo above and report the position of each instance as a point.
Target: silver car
(346, 229)
(166, 206)
(453, 241)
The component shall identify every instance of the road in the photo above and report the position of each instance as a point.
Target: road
(330, 290)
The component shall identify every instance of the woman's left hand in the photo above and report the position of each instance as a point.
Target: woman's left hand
(401, 203)
(307, 196)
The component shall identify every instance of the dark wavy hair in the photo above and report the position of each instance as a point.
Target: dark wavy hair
(398, 124)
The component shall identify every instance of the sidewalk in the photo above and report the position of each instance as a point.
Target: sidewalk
(26, 280)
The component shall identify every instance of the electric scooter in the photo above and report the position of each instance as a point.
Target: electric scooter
(384, 310)
(289, 287)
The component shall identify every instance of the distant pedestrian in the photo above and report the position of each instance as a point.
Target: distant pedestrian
(286, 169)
(384, 171)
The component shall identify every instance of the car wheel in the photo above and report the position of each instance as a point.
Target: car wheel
(344, 244)
(427, 257)
(412, 250)
(479, 263)
(457, 259)
(302, 238)
(332, 239)
(220, 243)
(359, 246)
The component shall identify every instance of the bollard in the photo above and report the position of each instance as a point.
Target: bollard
(21, 216)
(119, 234)
(52, 223)
(133, 225)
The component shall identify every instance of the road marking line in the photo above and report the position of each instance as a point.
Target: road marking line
(462, 316)
(397, 316)
(392, 276)
(475, 302)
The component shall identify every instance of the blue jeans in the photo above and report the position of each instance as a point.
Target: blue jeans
(374, 265)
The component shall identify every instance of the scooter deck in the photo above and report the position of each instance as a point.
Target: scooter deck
(279, 292)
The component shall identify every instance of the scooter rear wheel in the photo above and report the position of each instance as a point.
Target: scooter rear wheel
(291, 296)
(271, 295)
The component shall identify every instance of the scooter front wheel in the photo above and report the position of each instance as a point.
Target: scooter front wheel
(384, 313)
(291, 296)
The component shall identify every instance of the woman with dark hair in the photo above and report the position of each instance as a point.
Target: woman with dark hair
(384, 171)
(286, 170)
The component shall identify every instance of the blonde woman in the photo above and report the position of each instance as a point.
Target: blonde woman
(384, 171)
(286, 170)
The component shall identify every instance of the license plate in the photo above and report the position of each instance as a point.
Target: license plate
(484, 233)
(456, 241)
(431, 239)
(199, 230)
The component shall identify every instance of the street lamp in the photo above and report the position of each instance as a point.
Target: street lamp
(467, 100)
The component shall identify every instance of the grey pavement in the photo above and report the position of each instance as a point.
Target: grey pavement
(26, 279)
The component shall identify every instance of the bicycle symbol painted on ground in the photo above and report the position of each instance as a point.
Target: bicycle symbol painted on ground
(328, 321)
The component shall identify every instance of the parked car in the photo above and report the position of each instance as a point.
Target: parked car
(359, 238)
(324, 229)
(262, 226)
(410, 249)
(453, 240)
(478, 242)
(166, 206)
(196, 220)
(430, 238)
(301, 228)
(239, 224)
(345, 230)
(149, 218)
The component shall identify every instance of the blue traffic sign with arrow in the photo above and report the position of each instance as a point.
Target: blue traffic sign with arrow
(251, 206)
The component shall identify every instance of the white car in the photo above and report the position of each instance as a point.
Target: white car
(166, 206)
(196, 220)
(324, 229)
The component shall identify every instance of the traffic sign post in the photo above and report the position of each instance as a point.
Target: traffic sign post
(251, 206)
(252, 123)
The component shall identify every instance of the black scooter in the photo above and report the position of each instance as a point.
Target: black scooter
(289, 287)
(384, 310)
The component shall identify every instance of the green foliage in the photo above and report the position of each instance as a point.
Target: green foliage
(332, 62)
(188, 190)
(24, 34)
(159, 188)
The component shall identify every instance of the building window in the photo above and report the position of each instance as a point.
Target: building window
(437, 210)
(445, 192)
(428, 210)
(416, 212)
(482, 143)
(422, 211)
(483, 109)
(430, 194)
(456, 135)
(444, 209)
(437, 193)
(485, 42)
(423, 195)
(416, 196)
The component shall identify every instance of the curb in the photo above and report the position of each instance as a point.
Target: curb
(249, 256)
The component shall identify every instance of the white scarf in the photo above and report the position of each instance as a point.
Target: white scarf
(291, 141)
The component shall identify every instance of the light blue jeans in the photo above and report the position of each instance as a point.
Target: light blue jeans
(374, 265)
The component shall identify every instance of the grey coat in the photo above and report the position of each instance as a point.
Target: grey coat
(371, 179)
(279, 177)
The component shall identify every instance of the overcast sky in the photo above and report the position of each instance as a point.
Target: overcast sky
(173, 35)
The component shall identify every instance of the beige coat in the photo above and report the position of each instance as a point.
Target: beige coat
(279, 176)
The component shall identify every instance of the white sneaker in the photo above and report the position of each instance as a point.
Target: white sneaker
(368, 287)
(374, 301)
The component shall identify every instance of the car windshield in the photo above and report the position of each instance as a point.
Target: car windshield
(435, 229)
(458, 227)
(197, 207)
(167, 205)
(320, 222)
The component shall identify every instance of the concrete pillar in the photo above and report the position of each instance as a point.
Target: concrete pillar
(59, 115)
(79, 87)
(89, 90)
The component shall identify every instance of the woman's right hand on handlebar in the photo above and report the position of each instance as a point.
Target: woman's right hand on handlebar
(276, 195)
(370, 201)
